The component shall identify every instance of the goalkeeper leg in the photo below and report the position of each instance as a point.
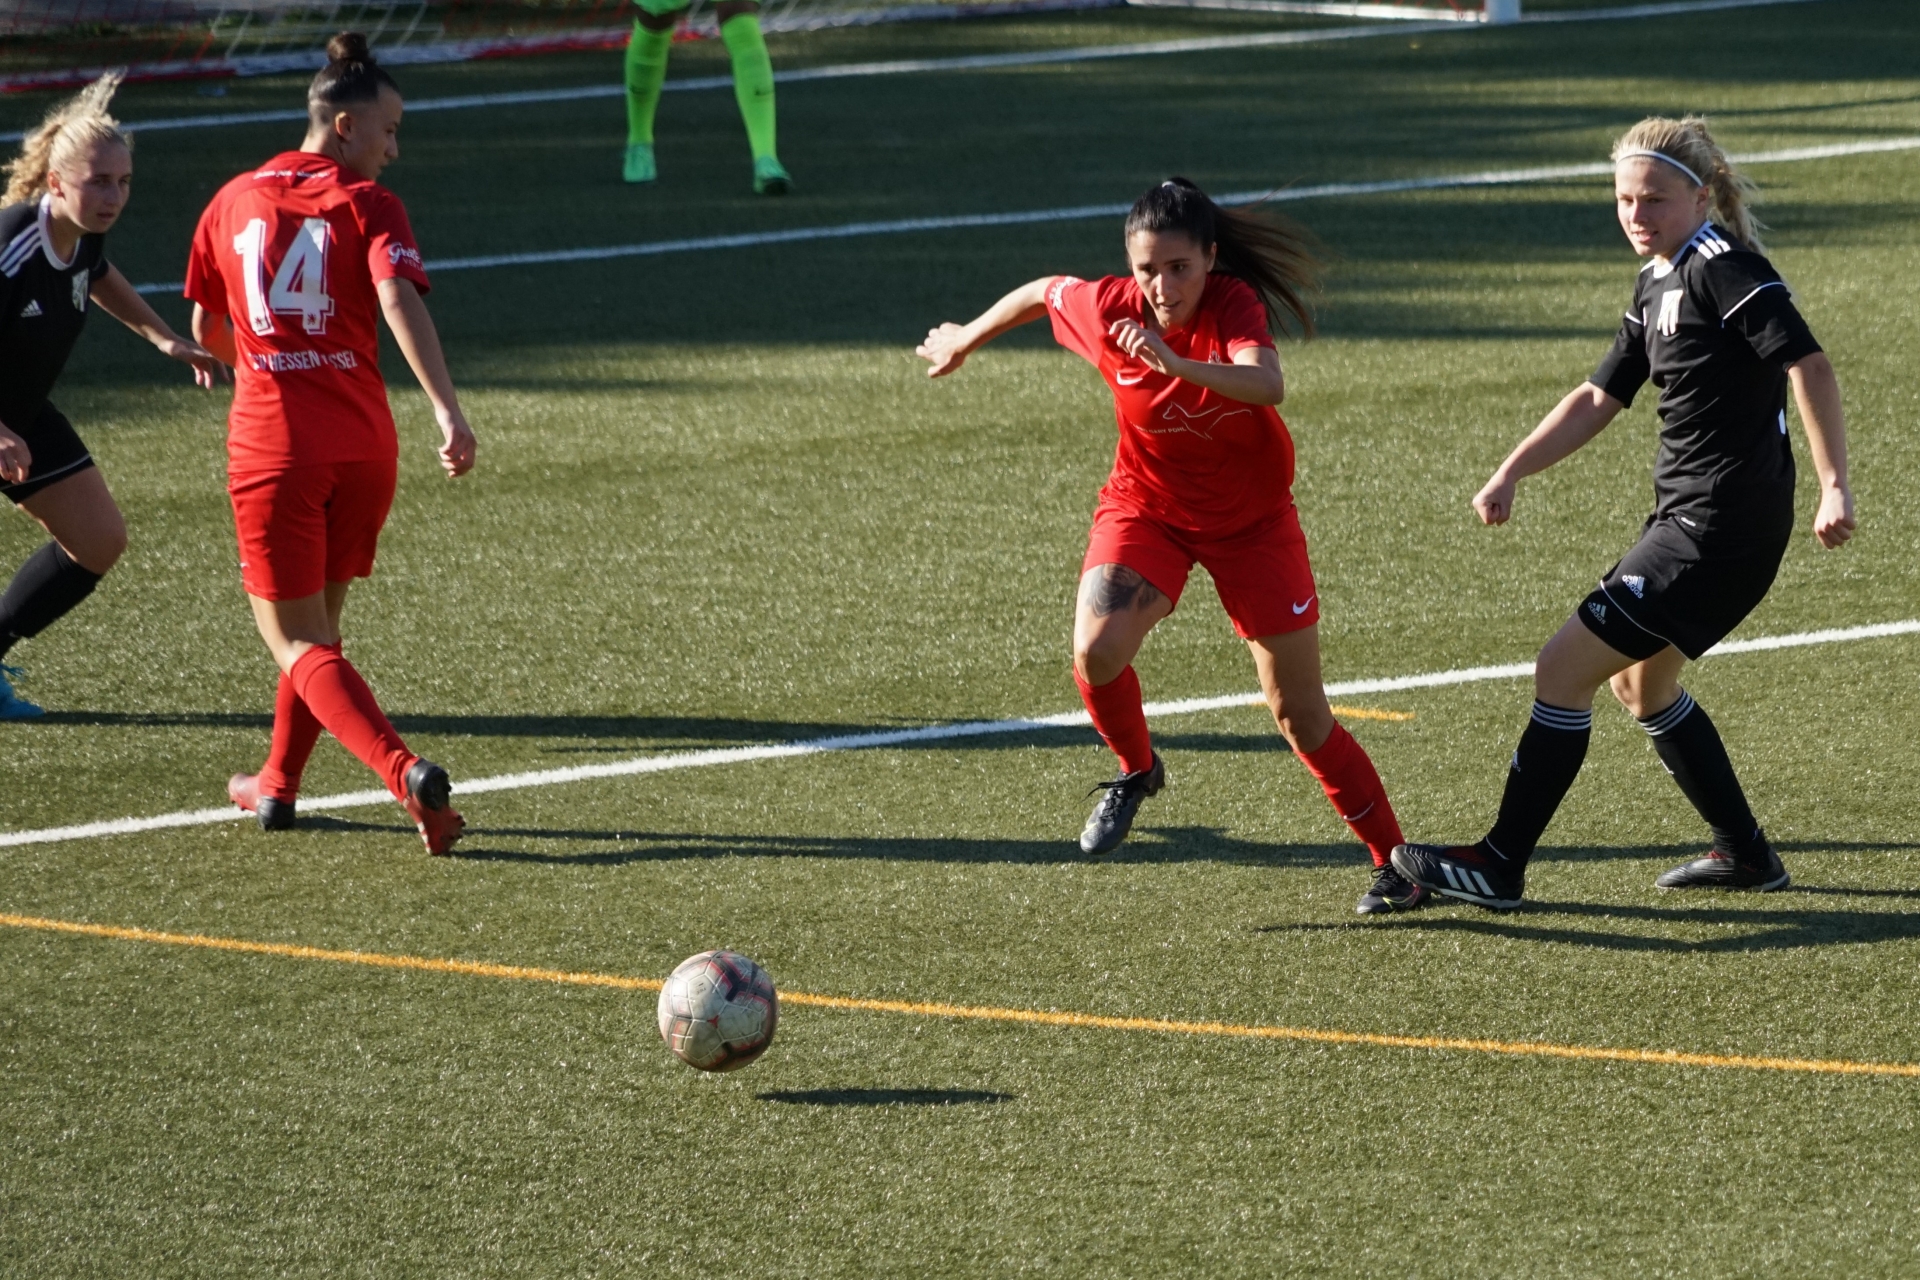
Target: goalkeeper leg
(753, 89)
(646, 72)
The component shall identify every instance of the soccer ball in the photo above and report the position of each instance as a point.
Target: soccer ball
(718, 1011)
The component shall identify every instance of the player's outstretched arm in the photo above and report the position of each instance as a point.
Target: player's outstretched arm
(1816, 390)
(214, 333)
(948, 347)
(1580, 417)
(406, 314)
(122, 301)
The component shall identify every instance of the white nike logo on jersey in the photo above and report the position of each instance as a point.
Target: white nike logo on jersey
(32, 309)
(1302, 608)
(1120, 376)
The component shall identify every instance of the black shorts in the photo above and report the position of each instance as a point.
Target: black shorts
(58, 452)
(1675, 589)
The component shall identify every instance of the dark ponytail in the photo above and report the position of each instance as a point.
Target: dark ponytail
(351, 76)
(1280, 260)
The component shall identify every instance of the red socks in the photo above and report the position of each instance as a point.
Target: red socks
(1347, 776)
(341, 701)
(295, 731)
(1340, 765)
(1117, 714)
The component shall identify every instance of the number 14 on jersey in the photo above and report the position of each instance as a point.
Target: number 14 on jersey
(299, 283)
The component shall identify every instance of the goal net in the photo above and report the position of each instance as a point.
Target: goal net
(47, 44)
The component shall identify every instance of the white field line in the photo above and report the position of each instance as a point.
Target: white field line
(1323, 9)
(1072, 213)
(984, 62)
(835, 71)
(671, 761)
(1663, 9)
(1405, 13)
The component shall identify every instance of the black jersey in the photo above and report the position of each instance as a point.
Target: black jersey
(43, 305)
(1714, 329)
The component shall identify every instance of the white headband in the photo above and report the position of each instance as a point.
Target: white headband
(1698, 181)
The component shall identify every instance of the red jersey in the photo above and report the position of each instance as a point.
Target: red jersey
(1188, 457)
(292, 251)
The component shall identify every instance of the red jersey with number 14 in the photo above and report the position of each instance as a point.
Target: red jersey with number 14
(291, 252)
(1188, 457)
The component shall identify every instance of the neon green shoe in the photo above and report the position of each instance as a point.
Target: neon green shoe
(639, 166)
(769, 179)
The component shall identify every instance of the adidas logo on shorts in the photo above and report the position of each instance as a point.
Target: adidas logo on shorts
(1598, 610)
(31, 310)
(1636, 584)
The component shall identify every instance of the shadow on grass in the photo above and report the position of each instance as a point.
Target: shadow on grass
(1693, 849)
(1771, 922)
(1771, 929)
(886, 1097)
(1148, 845)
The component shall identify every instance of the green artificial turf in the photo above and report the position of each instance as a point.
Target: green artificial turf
(718, 504)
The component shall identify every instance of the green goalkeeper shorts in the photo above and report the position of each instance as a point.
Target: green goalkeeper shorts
(661, 8)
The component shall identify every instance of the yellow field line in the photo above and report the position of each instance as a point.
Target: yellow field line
(1030, 1017)
(1369, 713)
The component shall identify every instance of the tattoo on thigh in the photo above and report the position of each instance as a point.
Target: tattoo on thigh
(1117, 588)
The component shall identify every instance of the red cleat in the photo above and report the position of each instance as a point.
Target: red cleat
(274, 813)
(428, 792)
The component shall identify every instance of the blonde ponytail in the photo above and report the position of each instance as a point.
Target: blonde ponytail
(70, 130)
(1687, 142)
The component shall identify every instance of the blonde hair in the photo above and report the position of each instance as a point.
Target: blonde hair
(1689, 142)
(69, 132)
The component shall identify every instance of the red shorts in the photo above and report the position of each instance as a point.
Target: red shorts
(304, 527)
(1261, 573)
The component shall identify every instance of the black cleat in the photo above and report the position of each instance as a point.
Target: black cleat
(1391, 891)
(429, 792)
(274, 813)
(1724, 871)
(1462, 871)
(1112, 818)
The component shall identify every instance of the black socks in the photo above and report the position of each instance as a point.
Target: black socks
(46, 587)
(1691, 749)
(1555, 744)
(1544, 766)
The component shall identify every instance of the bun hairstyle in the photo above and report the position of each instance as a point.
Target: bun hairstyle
(70, 131)
(1279, 259)
(1688, 142)
(351, 76)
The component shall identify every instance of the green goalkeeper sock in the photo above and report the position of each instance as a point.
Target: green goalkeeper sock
(752, 80)
(646, 72)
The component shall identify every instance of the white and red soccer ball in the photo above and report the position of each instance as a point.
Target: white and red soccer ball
(718, 1011)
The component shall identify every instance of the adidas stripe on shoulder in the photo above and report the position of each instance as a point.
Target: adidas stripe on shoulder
(19, 250)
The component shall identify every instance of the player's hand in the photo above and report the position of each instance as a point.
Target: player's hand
(207, 368)
(456, 455)
(15, 458)
(1833, 523)
(1142, 344)
(945, 349)
(1494, 503)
